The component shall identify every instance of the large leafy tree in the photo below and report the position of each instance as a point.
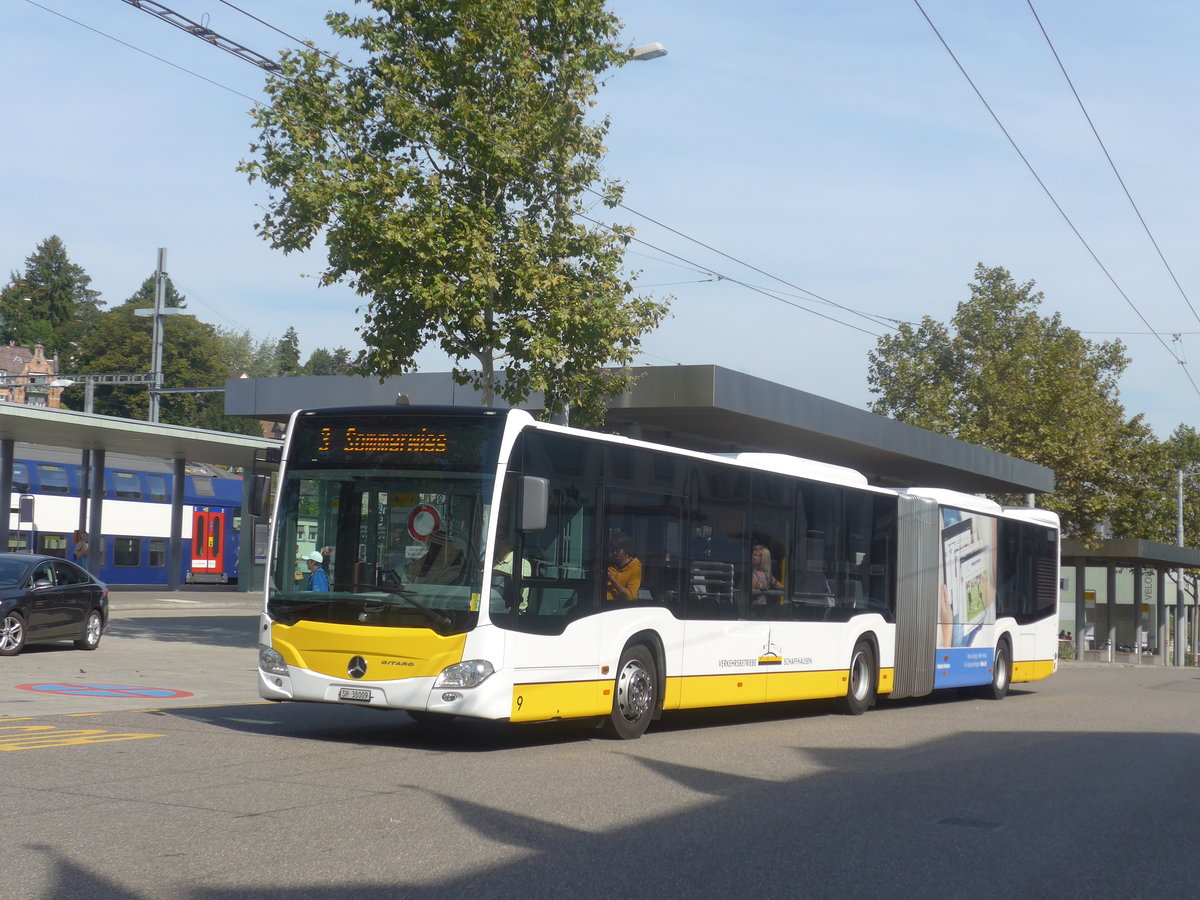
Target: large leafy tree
(1003, 376)
(448, 175)
(49, 303)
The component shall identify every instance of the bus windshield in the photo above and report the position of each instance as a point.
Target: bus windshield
(383, 536)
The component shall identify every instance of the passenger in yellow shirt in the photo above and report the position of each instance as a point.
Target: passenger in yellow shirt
(624, 575)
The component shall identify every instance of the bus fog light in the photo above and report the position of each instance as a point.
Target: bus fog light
(271, 661)
(450, 697)
(467, 674)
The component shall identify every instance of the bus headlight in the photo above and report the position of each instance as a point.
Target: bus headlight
(271, 661)
(467, 674)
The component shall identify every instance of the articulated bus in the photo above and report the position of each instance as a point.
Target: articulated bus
(483, 564)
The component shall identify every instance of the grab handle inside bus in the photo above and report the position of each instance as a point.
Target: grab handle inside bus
(535, 502)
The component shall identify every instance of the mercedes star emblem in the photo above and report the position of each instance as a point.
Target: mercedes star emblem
(357, 667)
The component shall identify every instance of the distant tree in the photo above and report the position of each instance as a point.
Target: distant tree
(448, 176)
(49, 303)
(1002, 376)
(325, 362)
(287, 353)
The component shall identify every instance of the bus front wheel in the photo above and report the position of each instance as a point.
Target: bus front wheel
(860, 690)
(634, 694)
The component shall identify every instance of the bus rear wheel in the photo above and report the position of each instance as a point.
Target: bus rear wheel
(635, 694)
(860, 689)
(1001, 674)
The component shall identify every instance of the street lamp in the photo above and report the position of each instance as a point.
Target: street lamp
(647, 51)
(1180, 613)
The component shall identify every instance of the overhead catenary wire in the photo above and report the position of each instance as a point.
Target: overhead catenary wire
(1111, 164)
(1042, 184)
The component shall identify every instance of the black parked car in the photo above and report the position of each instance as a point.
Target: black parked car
(44, 598)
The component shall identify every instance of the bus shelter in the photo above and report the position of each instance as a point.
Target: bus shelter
(1131, 600)
(96, 436)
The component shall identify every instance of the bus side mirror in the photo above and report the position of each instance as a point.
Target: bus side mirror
(259, 492)
(535, 503)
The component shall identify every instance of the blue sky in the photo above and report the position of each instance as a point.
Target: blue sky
(832, 145)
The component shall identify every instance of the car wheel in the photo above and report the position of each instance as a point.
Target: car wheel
(92, 629)
(12, 634)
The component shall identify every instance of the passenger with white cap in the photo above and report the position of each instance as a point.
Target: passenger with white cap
(318, 579)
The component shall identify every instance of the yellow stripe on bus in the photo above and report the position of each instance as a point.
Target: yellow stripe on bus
(561, 700)
(577, 699)
(1033, 670)
(391, 653)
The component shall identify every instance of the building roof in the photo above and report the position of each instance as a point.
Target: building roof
(1132, 552)
(706, 408)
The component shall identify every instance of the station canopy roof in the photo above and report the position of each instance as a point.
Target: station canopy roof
(87, 431)
(706, 408)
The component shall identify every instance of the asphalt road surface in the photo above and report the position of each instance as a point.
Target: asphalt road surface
(1081, 785)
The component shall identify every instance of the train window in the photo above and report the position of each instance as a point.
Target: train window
(53, 545)
(203, 485)
(158, 487)
(127, 486)
(127, 551)
(18, 542)
(158, 553)
(20, 476)
(53, 479)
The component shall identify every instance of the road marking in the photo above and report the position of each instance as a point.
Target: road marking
(44, 737)
(82, 689)
(175, 600)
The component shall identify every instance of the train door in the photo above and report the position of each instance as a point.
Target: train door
(208, 547)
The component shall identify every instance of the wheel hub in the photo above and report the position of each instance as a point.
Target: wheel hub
(634, 692)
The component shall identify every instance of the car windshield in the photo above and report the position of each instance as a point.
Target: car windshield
(12, 571)
(376, 547)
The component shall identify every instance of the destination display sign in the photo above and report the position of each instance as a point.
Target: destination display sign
(401, 440)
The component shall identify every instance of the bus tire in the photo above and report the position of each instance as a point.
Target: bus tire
(1001, 673)
(635, 694)
(860, 686)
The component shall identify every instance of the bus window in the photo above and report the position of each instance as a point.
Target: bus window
(718, 554)
(564, 577)
(770, 528)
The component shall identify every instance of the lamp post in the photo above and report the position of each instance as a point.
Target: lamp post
(1180, 610)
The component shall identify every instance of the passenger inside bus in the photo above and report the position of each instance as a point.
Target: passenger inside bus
(624, 574)
(765, 589)
(317, 579)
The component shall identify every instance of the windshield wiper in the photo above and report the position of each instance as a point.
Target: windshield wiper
(407, 597)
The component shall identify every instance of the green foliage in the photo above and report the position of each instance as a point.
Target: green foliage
(50, 303)
(1002, 376)
(447, 177)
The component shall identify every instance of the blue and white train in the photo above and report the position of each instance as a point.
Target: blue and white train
(136, 516)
